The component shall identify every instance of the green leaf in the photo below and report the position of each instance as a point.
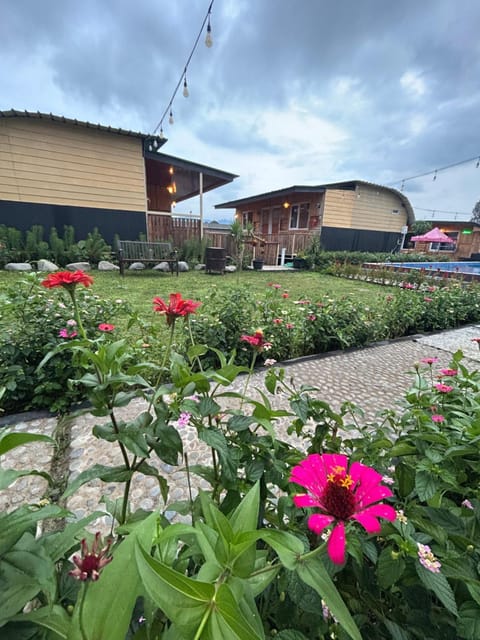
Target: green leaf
(245, 516)
(439, 585)
(405, 476)
(25, 571)
(54, 618)
(240, 422)
(109, 602)
(396, 631)
(107, 474)
(389, 569)
(58, 544)
(290, 634)
(227, 618)
(425, 485)
(288, 547)
(11, 440)
(314, 573)
(8, 476)
(13, 525)
(184, 600)
(468, 623)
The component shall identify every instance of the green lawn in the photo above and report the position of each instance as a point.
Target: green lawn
(140, 288)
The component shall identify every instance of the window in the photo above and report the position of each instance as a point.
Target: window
(445, 246)
(395, 212)
(299, 216)
(247, 218)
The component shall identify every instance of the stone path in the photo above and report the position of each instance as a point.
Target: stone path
(374, 378)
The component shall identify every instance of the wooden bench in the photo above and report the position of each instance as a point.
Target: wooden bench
(129, 251)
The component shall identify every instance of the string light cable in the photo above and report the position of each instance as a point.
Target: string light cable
(208, 42)
(435, 172)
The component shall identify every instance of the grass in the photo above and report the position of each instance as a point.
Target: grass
(140, 288)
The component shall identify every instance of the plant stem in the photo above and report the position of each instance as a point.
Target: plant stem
(164, 362)
(80, 609)
(189, 487)
(247, 381)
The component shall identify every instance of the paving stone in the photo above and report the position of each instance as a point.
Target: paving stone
(374, 378)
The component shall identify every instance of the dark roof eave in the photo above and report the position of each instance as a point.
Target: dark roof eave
(181, 163)
(233, 204)
(14, 113)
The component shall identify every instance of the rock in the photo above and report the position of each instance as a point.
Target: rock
(136, 266)
(162, 266)
(182, 266)
(230, 268)
(46, 265)
(104, 265)
(18, 266)
(199, 267)
(78, 266)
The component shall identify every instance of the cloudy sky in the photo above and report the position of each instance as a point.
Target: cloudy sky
(291, 92)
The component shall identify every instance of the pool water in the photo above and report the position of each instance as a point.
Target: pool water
(457, 267)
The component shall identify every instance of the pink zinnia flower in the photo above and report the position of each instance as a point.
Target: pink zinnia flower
(277, 320)
(289, 325)
(448, 372)
(341, 494)
(312, 317)
(443, 388)
(274, 286)
(429, 361)
(106, 327)
(65, 333)
(428, 299)
(91, 561)
(257, 340)
(438, 418)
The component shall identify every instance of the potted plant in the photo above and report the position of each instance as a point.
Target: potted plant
(257, 264)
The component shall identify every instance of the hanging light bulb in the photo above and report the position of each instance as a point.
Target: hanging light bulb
(170, 117)
(435, 175)
(161, 134)
(185, 88)
(478, 163)
(150, 148)
(155, 144)
(208, 37)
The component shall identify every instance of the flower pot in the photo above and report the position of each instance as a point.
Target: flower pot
(258, 265)
(300, 263)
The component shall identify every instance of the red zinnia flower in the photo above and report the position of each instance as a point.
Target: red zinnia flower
(106, 327)
(67, 279)
(285, 295)
(177, 307)
(91, 562)
(257, 340)
(341, 494)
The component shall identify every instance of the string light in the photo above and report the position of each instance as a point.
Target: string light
(434, 172)
(208, 37)
(186, 93)
(208, 42)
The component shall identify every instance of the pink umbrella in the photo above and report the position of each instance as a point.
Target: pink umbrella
(435, 235)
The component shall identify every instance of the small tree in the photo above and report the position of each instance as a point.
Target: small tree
(420, 227)
(476, 213)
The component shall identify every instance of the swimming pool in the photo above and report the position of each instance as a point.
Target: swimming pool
(457, 267)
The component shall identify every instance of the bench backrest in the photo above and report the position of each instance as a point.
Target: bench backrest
(133, 250)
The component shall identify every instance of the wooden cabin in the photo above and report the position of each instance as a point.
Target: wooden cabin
(350, 216)
(56, 171)
(465, 234)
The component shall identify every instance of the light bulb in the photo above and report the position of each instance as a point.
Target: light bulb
(150, 147)
(170, 118)
(161, 135)
(155, 144)
(208, 37)
(185, 89)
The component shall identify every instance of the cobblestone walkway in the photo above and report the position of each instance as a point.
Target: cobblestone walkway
(374, 378)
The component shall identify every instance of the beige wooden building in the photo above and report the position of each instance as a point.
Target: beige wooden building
(56, 171)
(353, 216)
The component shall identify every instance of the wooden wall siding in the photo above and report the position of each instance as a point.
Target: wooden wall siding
(164, 227)
(372, 210)
(338, 208)
(55, 163)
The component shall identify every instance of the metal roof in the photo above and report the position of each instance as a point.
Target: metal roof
(14, 113)
(348, 185)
